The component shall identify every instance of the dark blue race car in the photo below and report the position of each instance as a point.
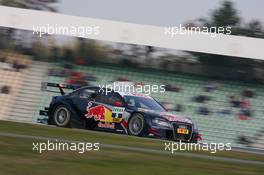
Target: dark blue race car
(134, 114)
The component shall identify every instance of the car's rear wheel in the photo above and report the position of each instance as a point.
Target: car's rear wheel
(62, 116)
(136, 125)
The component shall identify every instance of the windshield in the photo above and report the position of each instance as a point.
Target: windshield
(143, 102)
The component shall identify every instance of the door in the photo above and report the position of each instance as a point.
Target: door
(106, 107)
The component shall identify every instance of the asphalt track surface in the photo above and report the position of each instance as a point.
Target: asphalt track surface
(143, 150)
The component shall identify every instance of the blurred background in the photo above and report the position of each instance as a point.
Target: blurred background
(224, 95)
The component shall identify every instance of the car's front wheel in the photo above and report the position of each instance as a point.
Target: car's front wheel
(62, 116)
(136, 125)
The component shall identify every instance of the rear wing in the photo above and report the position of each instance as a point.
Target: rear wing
(45, 85)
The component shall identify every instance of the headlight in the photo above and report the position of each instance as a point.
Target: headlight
(161, 122)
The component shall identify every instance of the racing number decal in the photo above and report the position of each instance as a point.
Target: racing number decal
(117, 113)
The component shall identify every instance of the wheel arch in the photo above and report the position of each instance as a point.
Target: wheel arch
(146, 117)
(145, 121)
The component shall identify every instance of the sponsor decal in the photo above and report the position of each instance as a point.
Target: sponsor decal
(106, 125)
(99, 112)
(174, 118)
(117, 109)
(104, 114)
(117, 112)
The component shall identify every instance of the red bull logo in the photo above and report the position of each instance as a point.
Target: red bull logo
(100, 113)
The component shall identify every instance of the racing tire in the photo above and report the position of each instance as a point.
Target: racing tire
(136, 125)
(62, 116)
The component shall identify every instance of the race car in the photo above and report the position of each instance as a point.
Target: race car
(136, 114)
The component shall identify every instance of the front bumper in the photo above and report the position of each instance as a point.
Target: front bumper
(171, 133)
